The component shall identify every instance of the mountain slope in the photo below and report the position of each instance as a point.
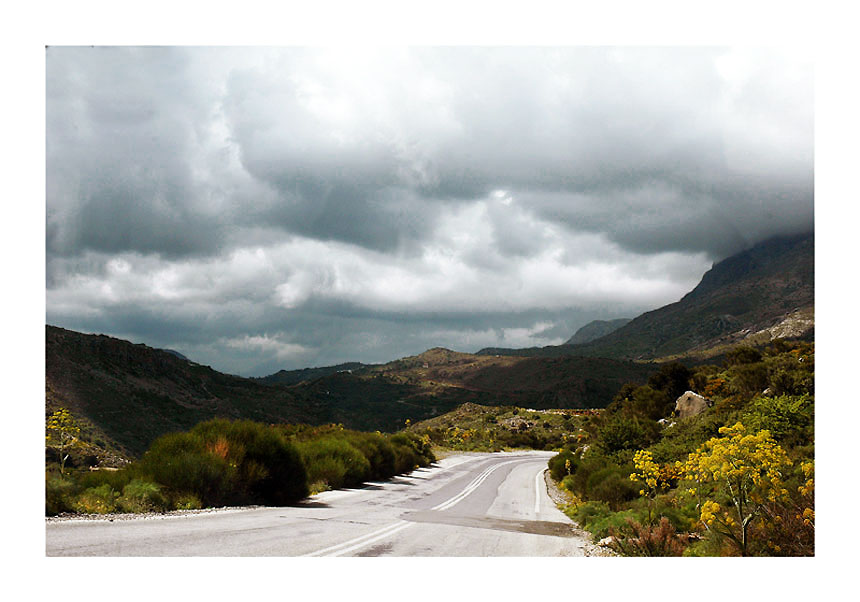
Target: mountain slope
(749, 294)
(131, 394)
(595, 330)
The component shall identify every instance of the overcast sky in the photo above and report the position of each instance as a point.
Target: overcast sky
(259, 209)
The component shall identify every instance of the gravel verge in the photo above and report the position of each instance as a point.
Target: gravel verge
(144, 515)
(561, 498)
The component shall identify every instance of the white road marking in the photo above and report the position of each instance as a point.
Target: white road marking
(470, 487)
(361, 541)
(388, 530)
(537, 489)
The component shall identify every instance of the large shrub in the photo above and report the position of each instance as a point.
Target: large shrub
(59, 494)
(562, 464)
(226, 462)
(621, 432)
(334, 461)
(788, 418)
(611, 485)
(378, 451)
(410, 452)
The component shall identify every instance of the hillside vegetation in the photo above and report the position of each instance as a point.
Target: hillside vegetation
(737, 479)
(222, 462)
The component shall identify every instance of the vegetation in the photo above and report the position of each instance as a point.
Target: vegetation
(223, 462)
(473, 427)
(737, 479)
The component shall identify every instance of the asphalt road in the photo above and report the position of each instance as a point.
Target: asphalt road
(464, 505)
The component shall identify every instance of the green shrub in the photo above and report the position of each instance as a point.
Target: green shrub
(410, 452)
(186, 501)
(268, 469)
(59, 494)
(224, 462)
(117, 479)
(141, 496)
(598, 518)
(335, 462)
(612, 485)
(378, 451)
(619, 432)
(748, 379)
(788, 418)
(97, 500)
(181, 463)
(562, 464)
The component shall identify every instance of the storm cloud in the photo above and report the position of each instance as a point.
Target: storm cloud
(268, 208)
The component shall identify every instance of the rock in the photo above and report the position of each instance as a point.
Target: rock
(691, 404)
(606, 541)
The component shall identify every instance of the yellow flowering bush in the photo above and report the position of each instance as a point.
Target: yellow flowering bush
(807, 491)
(61, 433)
(736, 475)
(656, 478)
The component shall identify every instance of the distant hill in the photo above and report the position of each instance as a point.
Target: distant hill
(765, 292)
(130, 394)
(292, 377)
(133, 393)
(595, 330)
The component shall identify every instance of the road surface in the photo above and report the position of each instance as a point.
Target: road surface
(465, 505)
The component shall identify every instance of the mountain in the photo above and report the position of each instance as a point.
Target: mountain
(595, 330)
(292, 377)
(764, 292)
(134, 393)
(128, 394)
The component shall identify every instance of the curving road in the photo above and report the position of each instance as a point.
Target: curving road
(464, 505)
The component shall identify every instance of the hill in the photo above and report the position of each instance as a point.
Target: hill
(595, 330)
(765, 292)
(129, 394)
(134, 393)
(292, 377)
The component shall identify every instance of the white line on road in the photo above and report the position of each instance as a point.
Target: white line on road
(537, 489)
(361, 541)
(471, 487)
(388, 530)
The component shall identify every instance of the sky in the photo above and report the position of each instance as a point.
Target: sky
(262, 208)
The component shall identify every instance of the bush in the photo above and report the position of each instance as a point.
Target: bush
(410, 452)
(613, 486)
(97, 500)
(335, 462)
(636, 539)
(117, 479)
(598, 518)
(141, 496)
(223, 462)
(378, 451)
(181, 463)
(268, 469)
(562, 464)
(788, 418)
(186, 501)
(748, 379)
(59, 494)
(619, 432)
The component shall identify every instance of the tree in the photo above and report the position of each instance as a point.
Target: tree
(735, 476)
(62, 433)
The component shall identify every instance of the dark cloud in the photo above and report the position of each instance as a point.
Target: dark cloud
(272, 207)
